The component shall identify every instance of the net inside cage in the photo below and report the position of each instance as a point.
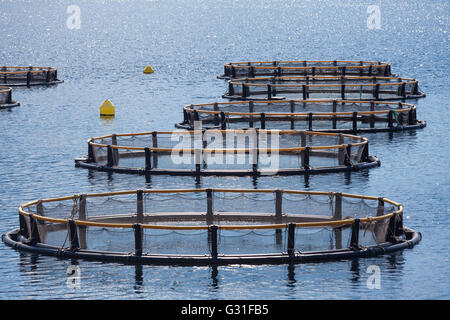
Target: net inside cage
(301, 115)
(27, 75)
(362, 88)
(287, 68)
(245, 222)
(227, 150)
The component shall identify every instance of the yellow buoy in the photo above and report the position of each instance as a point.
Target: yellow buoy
(107, 109)
(148, 69)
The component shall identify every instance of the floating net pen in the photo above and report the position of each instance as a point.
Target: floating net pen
(228, 152)
(213, 227)
(28, 76)
(323, 87)
(6, 100)
(344, 116)
(304, 68)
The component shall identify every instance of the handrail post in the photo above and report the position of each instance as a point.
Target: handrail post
(115, 152)
(23, 227)
(263, 120)
(213, 240)
(140, 206)
(73, 235)
(310, 121)
(148, 159)
(354, 242)
(372, 115)
(377, 91)
(380, 208)
(306, 154)
(355, 122)
(334, 115)
(34, 236)
(337, 206)
(28, 78)
(155, 146)
(278, 206)
(223, 121)
(91, 152)
(337, 215)
(110, 159)
(82, 216)
(138, 237)
(291, 239)
(348, 155)
(209, 207)
(390, 236)
(390, 119)
(292, 106)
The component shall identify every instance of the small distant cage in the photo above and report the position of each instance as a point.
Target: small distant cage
(28, 76)
(228, 152)
(323, 87)
(345, 116)
(255, 69)
(6, 100)
(212, 227)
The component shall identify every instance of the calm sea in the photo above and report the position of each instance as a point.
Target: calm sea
(187, 43)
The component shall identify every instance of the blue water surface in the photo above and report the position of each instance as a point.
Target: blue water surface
(187, 43)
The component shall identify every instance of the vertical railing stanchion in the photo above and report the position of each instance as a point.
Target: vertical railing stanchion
(334, 119)
(213, 241)
(23, 227)
(140, 206)
(337, 215)
(354, 241)
(292, 106)
(209, 207)
(73, 235)
(341, 150)
(355, 122)
(154, 149)
(278, 206)
(372, 115)
(138, 238)
(380, 208)
(34, 232)
(82, 215)
(148, 159)
(291, 239)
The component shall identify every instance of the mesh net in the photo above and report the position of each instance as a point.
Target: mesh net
(228, 208)
(286, 68)
(226, 150)
(348, 87)
(27, 75)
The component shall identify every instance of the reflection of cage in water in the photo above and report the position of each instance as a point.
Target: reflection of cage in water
(323, 87)
(28, 76)
(312, 115)
(213, 226)
(6, 100)
(228, 152)
(304, 68)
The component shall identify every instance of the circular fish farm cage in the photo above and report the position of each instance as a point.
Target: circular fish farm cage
(28, 76)
(228, 153)
(343, 116)
(323, 87)
(6, 100)
(304, 68)
(213, 227)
